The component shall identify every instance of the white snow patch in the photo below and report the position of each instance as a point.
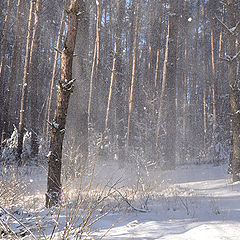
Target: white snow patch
(200, 202)
(189, 203)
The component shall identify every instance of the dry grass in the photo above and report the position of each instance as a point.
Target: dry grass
(12, 187)
(23, 215)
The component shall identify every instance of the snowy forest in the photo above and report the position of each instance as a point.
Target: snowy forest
(119, 119)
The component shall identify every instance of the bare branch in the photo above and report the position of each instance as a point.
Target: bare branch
(236, 56)
(229, 58)
(223, 25)
(12, 216)
(127, 201)
(57, 50)
(226, 59)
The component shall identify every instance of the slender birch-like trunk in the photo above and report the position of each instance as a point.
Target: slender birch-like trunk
(213, 76)
(162, 95)
(130, 108)
(34, 78)
(93, 95)
(185, 85)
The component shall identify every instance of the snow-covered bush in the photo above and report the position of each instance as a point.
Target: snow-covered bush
(9, 148)
(26, 153)
(12, 186)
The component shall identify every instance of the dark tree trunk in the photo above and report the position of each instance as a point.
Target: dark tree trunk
(3, 92)
(234, 85)
(58, 125)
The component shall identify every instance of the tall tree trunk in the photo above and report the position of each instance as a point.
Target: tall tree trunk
(14, 62)
(162, 95)
(205, 80)
(170, 148)
(4, 42)
(213, 7)
(91, 82)
(111, 87)
(132, 23)
(222, 103)
(24, 85)
(94, 81)
(58, 125)
(157, 79)
(34, 78)
(194, 126)
(234, 84)
(78, 114)
(130, 109)
(153, 58)
(185, 86)
(49, 99)
(117, 72)
(3, 81)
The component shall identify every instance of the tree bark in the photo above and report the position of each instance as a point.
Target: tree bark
(14, 62)
(214, 87)
(49, 99)
(34, 78)
(234, 85)
(118, 73)
(161, 100)
(58, 125)
(185, 86)
(3, 95)
(24, 86)
(170, 148)
(94, 81)
(206, 83)
(78, 114)
(93, 95)
(134, 63)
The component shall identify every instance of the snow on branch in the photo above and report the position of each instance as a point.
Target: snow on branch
(79, 13)
(231, 59)
(23, 225)
(231, 31)
(67, 86)
(56, 127)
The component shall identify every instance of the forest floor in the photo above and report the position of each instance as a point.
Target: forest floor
(189, 203)
(196, 202)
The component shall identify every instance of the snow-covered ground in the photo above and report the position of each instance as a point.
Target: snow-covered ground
(196, 202)
(189, 203)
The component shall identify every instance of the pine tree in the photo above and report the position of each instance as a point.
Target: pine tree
(65, 88)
